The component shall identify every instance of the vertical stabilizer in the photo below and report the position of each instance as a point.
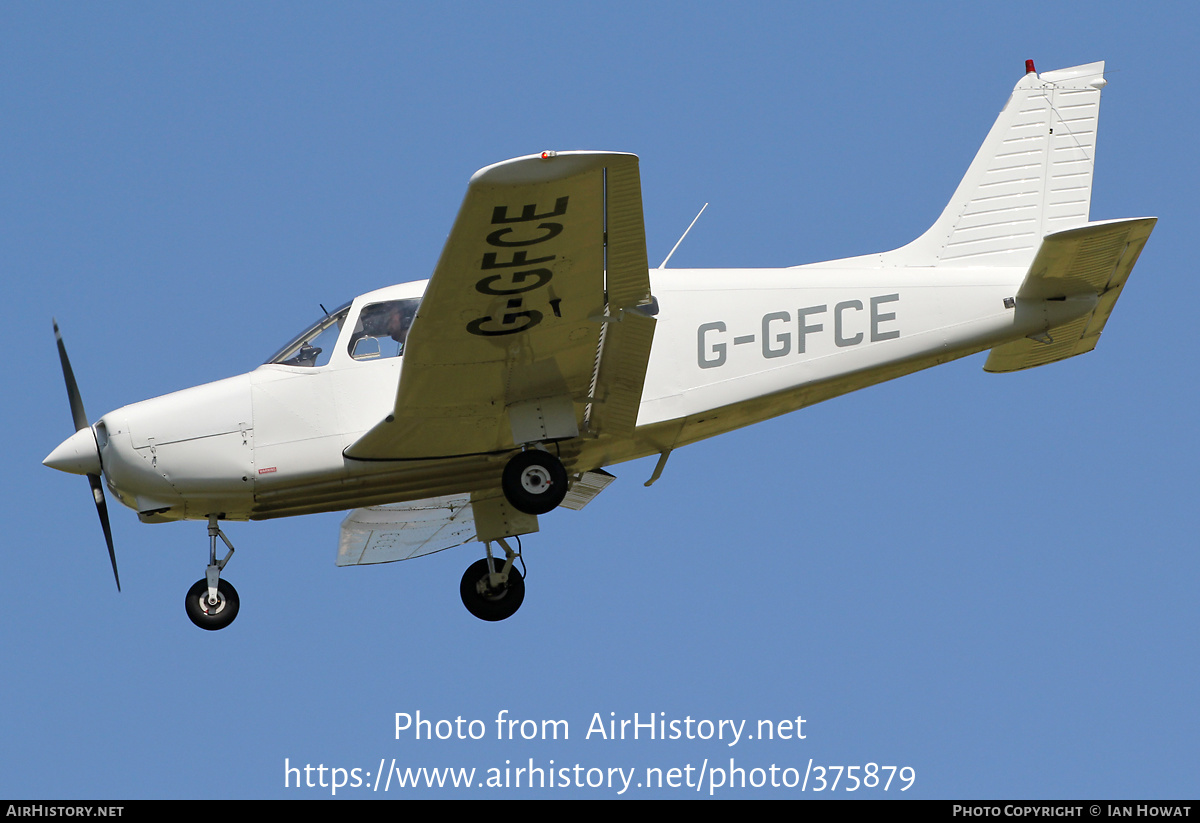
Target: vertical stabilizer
(1031, 177)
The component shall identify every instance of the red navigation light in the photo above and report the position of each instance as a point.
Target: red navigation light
(1029, 69)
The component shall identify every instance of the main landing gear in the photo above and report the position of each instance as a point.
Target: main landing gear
(213, 603)
(534, 482)
(492, 589)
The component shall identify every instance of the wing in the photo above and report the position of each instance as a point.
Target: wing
(506, 346)
(401, 531)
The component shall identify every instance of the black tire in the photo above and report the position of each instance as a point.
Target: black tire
(498, 604)
(216, 617)
(534, 482)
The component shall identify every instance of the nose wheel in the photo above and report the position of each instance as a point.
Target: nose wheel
(212, 613)
(213, 603)
(534, 482)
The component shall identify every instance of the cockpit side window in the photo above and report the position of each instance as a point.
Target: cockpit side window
(314, 346)
(382, 329)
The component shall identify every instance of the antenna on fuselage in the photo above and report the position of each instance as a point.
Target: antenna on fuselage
(322, 305)
(663, 265)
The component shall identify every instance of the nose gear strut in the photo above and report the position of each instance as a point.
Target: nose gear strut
(212, 603)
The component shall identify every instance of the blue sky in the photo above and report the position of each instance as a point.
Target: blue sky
(989, 579)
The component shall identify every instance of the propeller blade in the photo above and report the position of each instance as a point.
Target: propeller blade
(102, 510)
(77, 412)
(79, 416)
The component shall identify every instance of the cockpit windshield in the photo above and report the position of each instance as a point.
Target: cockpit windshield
(313, 346)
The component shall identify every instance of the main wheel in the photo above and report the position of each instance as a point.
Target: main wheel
(212, 617)
(491, 604)
(534, 482)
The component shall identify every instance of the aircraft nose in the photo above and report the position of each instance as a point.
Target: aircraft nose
(77, 454)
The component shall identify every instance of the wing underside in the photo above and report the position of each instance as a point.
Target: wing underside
(401, 531)
(506, 348)
(535, 327)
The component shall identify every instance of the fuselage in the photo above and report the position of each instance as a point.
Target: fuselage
(731, 347)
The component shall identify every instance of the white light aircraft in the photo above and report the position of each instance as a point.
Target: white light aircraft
(543, 349)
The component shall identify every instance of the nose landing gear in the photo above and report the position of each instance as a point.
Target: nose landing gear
(213, 603)
(210, 615)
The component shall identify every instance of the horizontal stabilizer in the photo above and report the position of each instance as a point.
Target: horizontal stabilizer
(1095, 259)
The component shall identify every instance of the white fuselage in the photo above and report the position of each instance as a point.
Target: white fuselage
(731, 347)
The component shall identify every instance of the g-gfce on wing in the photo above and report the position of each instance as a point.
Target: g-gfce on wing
(511, 344)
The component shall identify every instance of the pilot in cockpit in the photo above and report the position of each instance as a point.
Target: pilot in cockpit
(392, 319)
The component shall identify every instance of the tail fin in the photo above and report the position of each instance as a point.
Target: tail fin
(1031, 177)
